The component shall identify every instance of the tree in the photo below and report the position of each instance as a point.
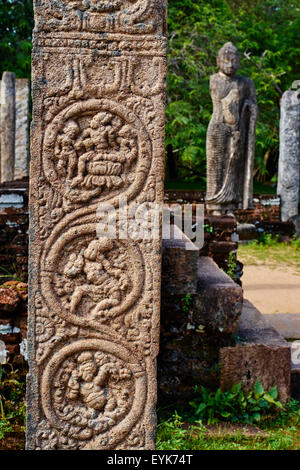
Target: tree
(15, 36)
(266, 33)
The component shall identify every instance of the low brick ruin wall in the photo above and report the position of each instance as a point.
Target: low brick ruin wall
(13, 265)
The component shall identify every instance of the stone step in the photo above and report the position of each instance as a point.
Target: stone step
(262, 354)
(287, 324)
(200, 309)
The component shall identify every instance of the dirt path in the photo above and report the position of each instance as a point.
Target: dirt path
(272, 289)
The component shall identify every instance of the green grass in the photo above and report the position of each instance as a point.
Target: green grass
(269, 251)
(280, 432)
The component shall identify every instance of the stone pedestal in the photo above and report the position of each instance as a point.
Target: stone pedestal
(289, 157)
(97, 136)
(8, 125)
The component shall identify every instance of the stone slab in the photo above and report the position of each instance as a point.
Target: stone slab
(196, 321)
(287, 324)
(219, 300)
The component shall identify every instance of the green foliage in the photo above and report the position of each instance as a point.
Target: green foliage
(266, 33)
(235, 405)
(232, 264)
(15, 36)
(12, 396)
(187, 302)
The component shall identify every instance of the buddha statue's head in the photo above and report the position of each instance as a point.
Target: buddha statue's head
(228, 59)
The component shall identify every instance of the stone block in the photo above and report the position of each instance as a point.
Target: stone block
(263, 356)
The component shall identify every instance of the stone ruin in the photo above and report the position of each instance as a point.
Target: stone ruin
(289, 157)
(98, 132)
(14, 128)
(99, 72)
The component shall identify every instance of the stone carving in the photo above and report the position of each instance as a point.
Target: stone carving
(230, 136)
(92, 395)
(95, 148)
(128, 16)
(99, 72)
(289, 157)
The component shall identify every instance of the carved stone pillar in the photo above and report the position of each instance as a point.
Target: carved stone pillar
(8, 126)
(97, 138)
(22, 129)
(289, 155)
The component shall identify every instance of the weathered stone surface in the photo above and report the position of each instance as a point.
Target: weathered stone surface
(8, 126)
(219, 300)
(295, 376)
(247, 231)
(264, 356)
(287, 324)
(230, 136)
(289, 155)
(98, 133)
(22, 130)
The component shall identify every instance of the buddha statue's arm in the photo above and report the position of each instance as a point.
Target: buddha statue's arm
(216, 99)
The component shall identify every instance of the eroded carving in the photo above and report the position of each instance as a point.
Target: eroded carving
(130, 16)
(99, 69)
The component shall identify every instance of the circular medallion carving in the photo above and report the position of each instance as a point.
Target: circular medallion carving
(93, 392)
(91, 279)
(96, 149)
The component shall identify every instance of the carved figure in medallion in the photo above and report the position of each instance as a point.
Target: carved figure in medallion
(95, 387)
(89, 383)
(107, 282)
